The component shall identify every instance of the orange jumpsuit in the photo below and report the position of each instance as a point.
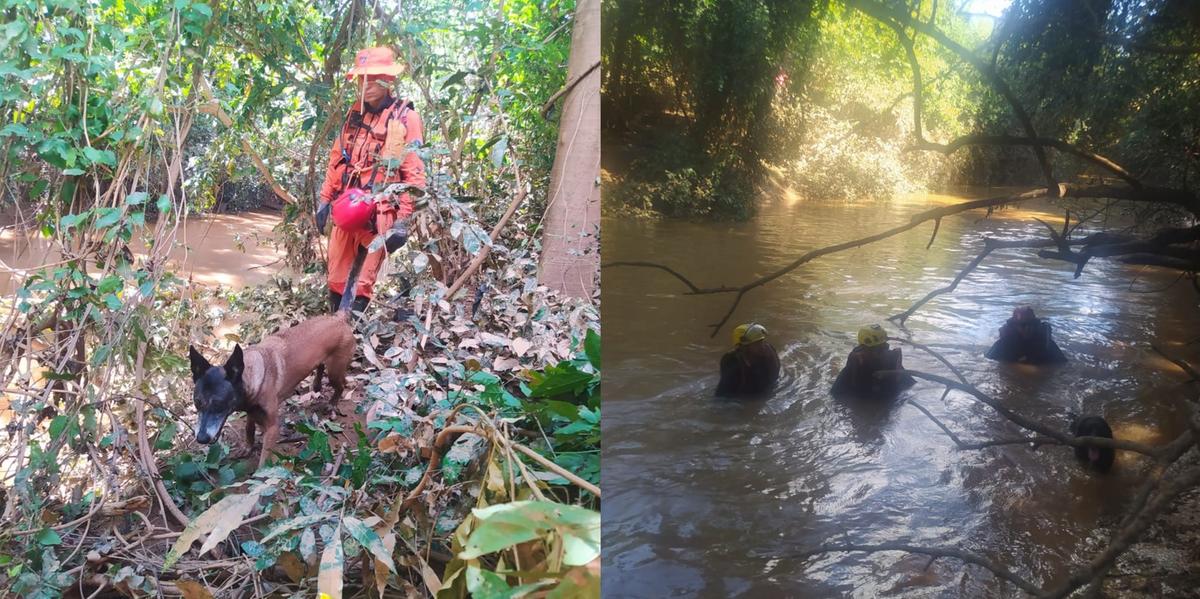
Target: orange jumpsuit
(355, 161)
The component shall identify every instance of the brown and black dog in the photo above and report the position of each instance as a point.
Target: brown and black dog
(257, 380)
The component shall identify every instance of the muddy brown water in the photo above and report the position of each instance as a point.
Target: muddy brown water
(709, 497)
(230, 250)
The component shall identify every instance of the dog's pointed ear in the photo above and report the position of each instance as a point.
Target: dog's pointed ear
(234, 365)
(199, 364)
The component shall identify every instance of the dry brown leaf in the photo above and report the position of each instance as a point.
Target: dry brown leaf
(218, 521)
(493, 340)
(520, 345)
(120, 508)
(292, 565)
(381, 569)
(505, 363)
(193, 590)
(395, 443)
(369, 353)
(229, 519)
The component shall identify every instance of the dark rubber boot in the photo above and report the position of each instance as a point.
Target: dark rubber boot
(335, 298)
(360, 303)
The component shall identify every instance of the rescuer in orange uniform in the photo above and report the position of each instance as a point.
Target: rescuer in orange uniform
(374, 149)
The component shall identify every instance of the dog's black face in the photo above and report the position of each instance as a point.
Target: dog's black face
(217, 394)
(1099, 458)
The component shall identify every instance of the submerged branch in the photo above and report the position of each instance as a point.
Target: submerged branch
(936, 552)
(1030, 424)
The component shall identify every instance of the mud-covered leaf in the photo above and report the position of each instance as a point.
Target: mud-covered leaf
(308, 543)
(329, 578)
(369, 540)
(382, 568)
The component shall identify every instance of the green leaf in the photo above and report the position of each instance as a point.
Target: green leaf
(100, 156)
(455, 78)
(560, 379)
(166, 436)
(369, 540)
(70, 220)
(72, 172)
(109, 284)
(107, 217)
(135, 198)
(18, 130)
(164, 204)
(58, 425)
(48, 537)
(203, 9)
(253, 548)
(591, 346)
(186, 471)
(498, 151)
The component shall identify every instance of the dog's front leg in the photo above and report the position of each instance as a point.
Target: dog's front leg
(249, 433)
(270, 435)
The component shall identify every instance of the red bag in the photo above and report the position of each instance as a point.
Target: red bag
(354, 210)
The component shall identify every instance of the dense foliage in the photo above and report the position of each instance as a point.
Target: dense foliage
(691, 86)
(118, 120)
(832, 102)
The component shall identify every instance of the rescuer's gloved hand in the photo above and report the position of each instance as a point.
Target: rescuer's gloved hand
(322, 217)
(396, 236)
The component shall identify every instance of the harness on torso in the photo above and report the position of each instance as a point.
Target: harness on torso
(352, 172)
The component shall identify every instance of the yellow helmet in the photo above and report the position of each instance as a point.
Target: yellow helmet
(872, 335)
(746, 334)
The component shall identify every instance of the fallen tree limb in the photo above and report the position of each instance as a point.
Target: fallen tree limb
(989, 245)
(1188, 368)
(914, 221)
(1035, 426)
(1044, 142)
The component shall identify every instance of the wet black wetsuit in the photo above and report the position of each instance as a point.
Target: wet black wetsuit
(748, 370)
(858, 377)
(1035, 348)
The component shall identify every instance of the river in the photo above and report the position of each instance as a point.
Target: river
(707, 497)
(232, 250)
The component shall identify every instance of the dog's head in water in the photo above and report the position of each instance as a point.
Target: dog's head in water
(1097, 458)
(218, 392)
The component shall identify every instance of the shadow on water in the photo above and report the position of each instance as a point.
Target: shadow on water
(709, 497)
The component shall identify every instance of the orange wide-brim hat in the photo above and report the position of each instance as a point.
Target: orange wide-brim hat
(375, 63)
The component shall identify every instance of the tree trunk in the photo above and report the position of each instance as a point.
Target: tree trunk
(570, 260)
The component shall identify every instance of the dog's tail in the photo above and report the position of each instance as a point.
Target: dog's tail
(352, 281)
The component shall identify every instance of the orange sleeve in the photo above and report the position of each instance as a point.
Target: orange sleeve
(333, 172)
